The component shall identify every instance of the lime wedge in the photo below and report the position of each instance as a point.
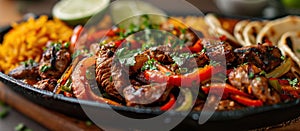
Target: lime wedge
(126, 12)
(78, 11)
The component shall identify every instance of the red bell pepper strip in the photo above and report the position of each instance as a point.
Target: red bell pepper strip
(228, 90)
(169, 104)
(275, 84)
(291, 91)
(100, 34)
(246, 101)
(197, 47)
(223, 38)
(118, 43)
(67, 94)
(197, 76)
(74, 38)
(80, 86)
(133, 44)
(281, 81)
(228, 71)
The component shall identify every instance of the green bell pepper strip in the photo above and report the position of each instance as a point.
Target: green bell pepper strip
(281, 70)
(188, 100)
(275, 84)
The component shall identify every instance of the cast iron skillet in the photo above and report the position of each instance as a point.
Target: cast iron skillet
(243, 119)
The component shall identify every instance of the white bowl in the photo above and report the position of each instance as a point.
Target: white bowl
(242, 7)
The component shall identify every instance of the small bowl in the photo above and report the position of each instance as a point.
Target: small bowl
(242, 7)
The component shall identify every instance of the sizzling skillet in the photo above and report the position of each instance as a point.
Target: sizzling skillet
(246, 118)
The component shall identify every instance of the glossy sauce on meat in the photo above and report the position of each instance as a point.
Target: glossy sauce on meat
(264, 56)
(54, 62)
(25, 71)
(44, 75)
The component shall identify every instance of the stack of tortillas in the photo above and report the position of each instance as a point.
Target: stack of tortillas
(283, 32)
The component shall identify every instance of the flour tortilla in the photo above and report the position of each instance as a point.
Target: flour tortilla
(251, 31)
(273, 30)
(217, 30)
(294, 38)
(238, 31)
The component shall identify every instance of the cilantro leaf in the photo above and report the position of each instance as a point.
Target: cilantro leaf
(127, 57)
(293, 82)
(45, 68)
(179, 58)
(149, 65)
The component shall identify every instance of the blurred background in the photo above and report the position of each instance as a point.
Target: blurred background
(13, 10)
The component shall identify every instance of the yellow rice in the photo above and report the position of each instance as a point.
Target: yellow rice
(27, 40)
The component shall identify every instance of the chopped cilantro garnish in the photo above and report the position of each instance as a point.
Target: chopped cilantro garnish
(22, 127)
(293, 82)
(57, 46)
(262, 73)
(67, 44)
(298, 50)
(282, 57)
(251, 75)
(213, 63)
(88, 123)
(149, 65)
(168, 73)
(45, 68)
(66, 88)
(4, 112)
(183, 31)
(258, 78)
(270, 48)
(126, 57)
(27, 63)
(44, 48)
(110, 79)
(183, 70)
(76, 54)
(203, 50)
(179, 58)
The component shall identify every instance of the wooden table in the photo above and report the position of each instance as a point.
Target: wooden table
(50, 119)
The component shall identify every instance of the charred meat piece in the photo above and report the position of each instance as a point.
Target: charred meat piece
(109, 73)
(146, 94)
(218, 51)
(200, 59)
(54, 61)
(190, 35)
(28, 70)
(259, 87)
(161, 53)
(140, 59)
(241, 77)
(46, 84)
(246, 78)
(264, 56)
(81, 86)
